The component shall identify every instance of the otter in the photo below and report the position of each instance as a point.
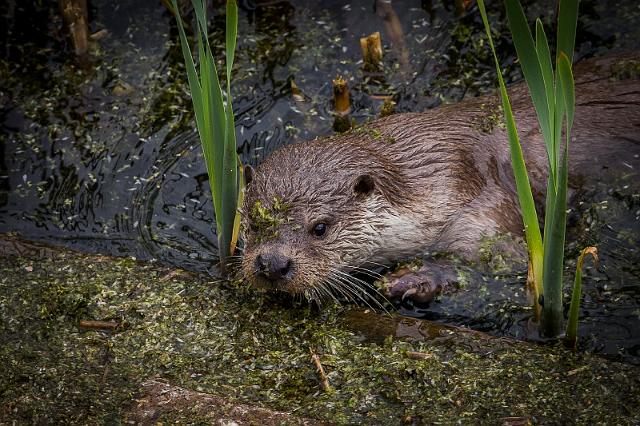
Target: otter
(439, 180)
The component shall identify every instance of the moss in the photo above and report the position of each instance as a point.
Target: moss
(489, 117)
(374, 134)
(343, 123)
(625, 70)
(388, 108)
(265, 221)
(208, 337)
(502, 253)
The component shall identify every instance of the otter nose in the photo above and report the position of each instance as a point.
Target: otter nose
(273, 266)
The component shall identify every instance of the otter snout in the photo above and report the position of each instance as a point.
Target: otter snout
(274, 267)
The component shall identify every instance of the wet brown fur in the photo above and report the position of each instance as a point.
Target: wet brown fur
(441, 185)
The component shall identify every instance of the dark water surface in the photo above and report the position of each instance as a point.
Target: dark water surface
(103, 158)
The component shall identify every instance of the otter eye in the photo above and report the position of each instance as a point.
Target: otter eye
(319, 229)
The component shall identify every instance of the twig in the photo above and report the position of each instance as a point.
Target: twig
(418, 355)
(99, 325)
(324, 380)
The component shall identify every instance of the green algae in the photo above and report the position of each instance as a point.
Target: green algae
(265, 220)
(626, 70)
(374, 134)
(388, 108)
(489, 118)
(502, 253)
(205, 336)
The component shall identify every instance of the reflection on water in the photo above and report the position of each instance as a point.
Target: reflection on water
(105, 158)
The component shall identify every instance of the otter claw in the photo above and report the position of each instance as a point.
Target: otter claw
(407, 294)
(422, 295)
(420, 286)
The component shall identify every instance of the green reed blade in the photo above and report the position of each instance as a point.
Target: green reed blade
(551, 324)
(237, 222)
(544, 57)
(200, 10)
(567, 23)
(566, 36)
(230, 161)
(192, 76)
(572, 324)
(531, 68)
(525, 197)
(568, 90)
(231, 36)
(215, 122)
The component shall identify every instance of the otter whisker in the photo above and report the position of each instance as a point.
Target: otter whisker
(364, 284)
(358, 286)
(344, 290)
(337, 285)
(364, 271)
(355, 290)
(380, 265)
(328, 291)
(316, 296)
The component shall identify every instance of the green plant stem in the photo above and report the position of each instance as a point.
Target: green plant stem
(572, 324)
(525, 196)
(215, 122)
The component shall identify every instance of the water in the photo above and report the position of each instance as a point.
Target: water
(103, 157)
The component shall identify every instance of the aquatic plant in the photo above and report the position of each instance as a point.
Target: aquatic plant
(215, 122)
(553, 96)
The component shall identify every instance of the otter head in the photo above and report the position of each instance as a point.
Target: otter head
(313, 212)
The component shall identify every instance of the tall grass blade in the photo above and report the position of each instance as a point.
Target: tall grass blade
(231, 36)
(544, 57)
(554, 240)
(568, 91)
(531, 68)
(551, 324)
(572, 324)
(235, 235)
(567, 24)
(192, 75)
(565, 42)
(215, 122)
(525, 197)
(230, 162)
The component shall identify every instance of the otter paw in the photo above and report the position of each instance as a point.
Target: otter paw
(420, 286)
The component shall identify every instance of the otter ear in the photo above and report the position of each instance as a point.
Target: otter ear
(248, 174)
(364, 186)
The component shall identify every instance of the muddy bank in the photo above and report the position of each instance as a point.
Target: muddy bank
(235, 344)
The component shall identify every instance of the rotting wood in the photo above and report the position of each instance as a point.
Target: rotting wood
(76, 19)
